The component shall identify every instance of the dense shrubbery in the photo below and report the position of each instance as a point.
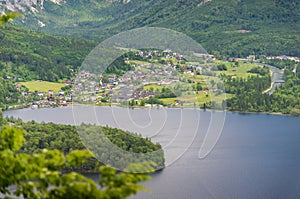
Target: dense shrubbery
(259, 70)
(154, 100)
(9, 93)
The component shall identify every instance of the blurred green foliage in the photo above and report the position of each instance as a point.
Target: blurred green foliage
(40, 176)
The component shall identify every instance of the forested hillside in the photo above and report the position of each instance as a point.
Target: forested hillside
(231, 27)
(65, 138)
(26, 55)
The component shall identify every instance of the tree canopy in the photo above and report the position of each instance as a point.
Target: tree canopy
(40, 176)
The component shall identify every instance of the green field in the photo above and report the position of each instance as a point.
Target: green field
(240, 71)
(199, 98)
(138, 62)
(155, 87)
(43, 86)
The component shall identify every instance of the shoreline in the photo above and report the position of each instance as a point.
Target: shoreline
(155, 107)
(207, 109)
(264, 113)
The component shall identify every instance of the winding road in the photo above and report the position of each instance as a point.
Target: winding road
(277, 78)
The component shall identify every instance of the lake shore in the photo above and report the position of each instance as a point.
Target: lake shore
(16, 107)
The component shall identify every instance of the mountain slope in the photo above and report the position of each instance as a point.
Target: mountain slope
(74, 17)
(231, 27)
(29, 5)
(31, 55)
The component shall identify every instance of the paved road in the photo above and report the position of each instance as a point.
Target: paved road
(277, 77)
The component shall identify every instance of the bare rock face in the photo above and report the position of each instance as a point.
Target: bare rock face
(25, 5)
(34, 6)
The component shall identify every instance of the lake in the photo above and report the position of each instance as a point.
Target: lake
(256, 156)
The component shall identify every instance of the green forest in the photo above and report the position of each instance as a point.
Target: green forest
(249, 93)
(27, 55)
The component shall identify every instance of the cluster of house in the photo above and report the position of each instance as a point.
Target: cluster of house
(253, 58)
(247, 59)
(152, 74)
(167, 53)
(128, 87)
(87, 82)
(127, 93)
(123, 88)
(284, 57)
(50, 99)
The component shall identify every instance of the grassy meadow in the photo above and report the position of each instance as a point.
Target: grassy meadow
(43, 86)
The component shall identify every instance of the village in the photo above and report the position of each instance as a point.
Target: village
(48, 99)
(163, 69)
(168, 70)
